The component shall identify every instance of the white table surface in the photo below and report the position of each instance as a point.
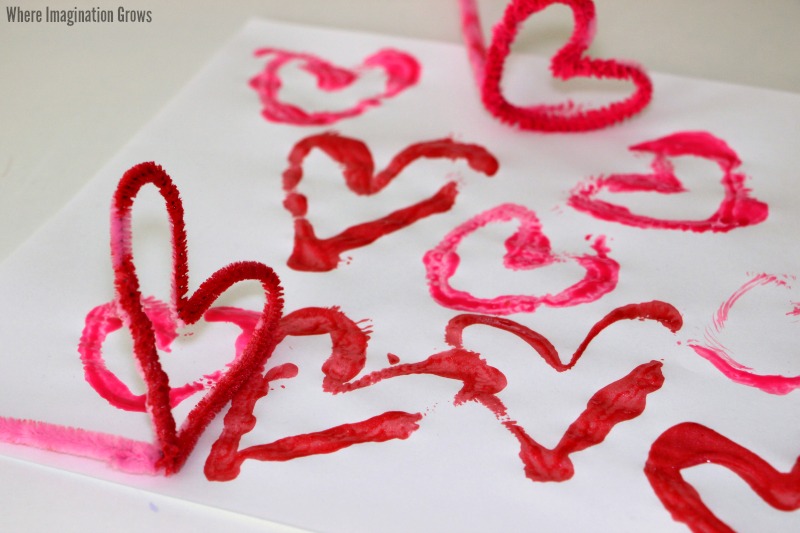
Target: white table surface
(70, 97)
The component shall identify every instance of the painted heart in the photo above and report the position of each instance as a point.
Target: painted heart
(737, 208)
(717, 354)
(615, 403)
(103, 320)
(314, 254)
(177, 443)
(528, 248)
(401, 70)
(689, 444)
(569, 62)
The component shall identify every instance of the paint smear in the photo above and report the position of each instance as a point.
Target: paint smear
(527, 248)
(400, 69)
(717, 354)
(737, 209)
(689, 444)
(358, 168)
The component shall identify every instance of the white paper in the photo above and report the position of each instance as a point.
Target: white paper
(460, 470)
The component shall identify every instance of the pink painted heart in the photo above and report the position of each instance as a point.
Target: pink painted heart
(401, 71)
(569, 62)
(103, 320)
(713, 349)
(177, 443)
(736, 209)
(312, 253)
(689, 444)
(527, 248)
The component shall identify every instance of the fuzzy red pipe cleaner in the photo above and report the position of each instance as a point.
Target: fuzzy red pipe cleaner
(569, 62)
(177, 443)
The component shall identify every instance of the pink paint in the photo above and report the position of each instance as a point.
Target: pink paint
(716, 353)
(528, 248)
(617, 402)
(569, 62)
(103, 320)
(401, 70)
(737, 208)
(688, 444)
(314, 254)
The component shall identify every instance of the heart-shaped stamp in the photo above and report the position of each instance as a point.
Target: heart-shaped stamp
(737, 208)
(401, 71)
(527, 248)
(312, 253)
(619, 401)
(177, 443)
(690, 444)
(716, 352)
(569, 62)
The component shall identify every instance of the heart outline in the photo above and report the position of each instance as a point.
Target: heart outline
(402, 71)
(568, 62)
(311, 253)
(442, 261)
(177, 443)
(737, 208)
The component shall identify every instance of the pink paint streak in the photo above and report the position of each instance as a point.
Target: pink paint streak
(688, 444)
(617, 402)
(401, 70)
(528, 248)
(737, 208)
(569, 62)
(314, 254)
(103, 320)
(716, 353)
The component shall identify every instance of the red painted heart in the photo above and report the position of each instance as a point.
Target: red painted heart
(737, 208)
(569, 62)
(615, 403)
(689, 444)
(314, 254)
(401, 70)
(528, 248)
(176, 444)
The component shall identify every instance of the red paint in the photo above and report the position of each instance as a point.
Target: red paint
(717, 354)
(314, 254)
(528, 248)
(619, 401)
(177, 443)
(401, 70)
(737, 208)
(688, 444)
(569, 62)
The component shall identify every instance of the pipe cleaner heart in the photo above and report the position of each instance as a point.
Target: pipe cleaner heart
(314, 254)
(401, 70)
(689, 444)
(737, 208)
(152, 325)
(177, 443)
(612, 404)
(527, 248)
(569, 62)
